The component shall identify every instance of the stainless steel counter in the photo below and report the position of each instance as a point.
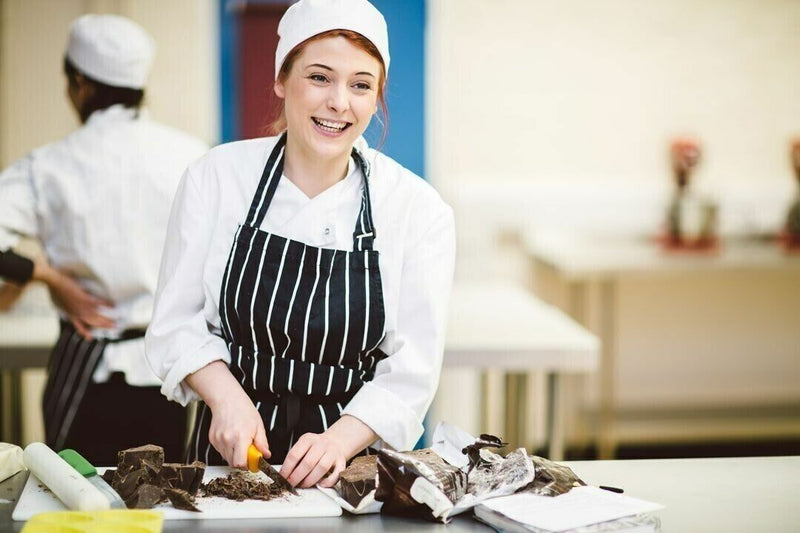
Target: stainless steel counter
(725, 495)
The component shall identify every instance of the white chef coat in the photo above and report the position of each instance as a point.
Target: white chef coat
(415, 236)
(99, 200)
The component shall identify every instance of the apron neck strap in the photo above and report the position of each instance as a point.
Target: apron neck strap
(273, 171)
(364, 233)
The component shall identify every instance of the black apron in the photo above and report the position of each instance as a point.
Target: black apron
(302, 323)
(69, 372)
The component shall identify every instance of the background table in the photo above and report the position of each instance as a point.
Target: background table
(505, 328)
(25, 342)
(581, 260)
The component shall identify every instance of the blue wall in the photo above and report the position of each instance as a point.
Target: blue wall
(405, 141)
(228, 74)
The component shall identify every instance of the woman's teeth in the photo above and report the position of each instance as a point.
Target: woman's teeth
(329, 125)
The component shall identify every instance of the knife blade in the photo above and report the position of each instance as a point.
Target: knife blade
(256, 462)
(87, 470)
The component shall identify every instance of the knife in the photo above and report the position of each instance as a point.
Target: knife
(85, 468)
(256, 462)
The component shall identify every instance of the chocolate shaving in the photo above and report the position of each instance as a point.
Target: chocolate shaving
(473, 451)
(551, 478)
(241, 486)
(180, 499)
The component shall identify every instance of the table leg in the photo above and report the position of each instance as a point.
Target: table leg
(492, 412)
(10, 414)
(555, 417)
(576, 304)
(515, 410)
(608, 334)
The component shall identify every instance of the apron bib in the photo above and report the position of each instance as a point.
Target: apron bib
(302, 323)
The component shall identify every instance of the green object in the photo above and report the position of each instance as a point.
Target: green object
(77, 462)
(87, 470)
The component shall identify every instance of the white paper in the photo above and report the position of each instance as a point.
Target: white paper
(581, 506)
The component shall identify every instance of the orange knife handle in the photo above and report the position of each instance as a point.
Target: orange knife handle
(253, 455)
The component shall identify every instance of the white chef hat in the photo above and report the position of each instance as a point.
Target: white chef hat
(308, 18)
(111, 49)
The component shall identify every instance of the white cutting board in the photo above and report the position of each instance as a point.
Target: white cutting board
(36, 499)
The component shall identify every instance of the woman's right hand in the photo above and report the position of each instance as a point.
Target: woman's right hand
(235, 422)
(235, 425)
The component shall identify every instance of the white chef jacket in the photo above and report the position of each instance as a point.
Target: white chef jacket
(415, 238)
(99, 200)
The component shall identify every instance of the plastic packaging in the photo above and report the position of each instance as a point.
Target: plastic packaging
(11, 461)
(552, 478)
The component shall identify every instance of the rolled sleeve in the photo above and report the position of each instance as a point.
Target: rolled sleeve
(179, 340)
(394, 403)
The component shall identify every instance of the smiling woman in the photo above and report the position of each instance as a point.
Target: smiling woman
(330, 86)
(305, 279)
(374, 82)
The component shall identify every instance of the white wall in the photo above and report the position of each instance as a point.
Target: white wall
(535, 89)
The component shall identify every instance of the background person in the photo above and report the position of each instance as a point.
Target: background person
(98, 201)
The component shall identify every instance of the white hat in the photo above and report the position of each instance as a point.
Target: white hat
(308, 18)
(111, 49)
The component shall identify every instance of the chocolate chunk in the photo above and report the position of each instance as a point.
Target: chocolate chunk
(135, 458)
(168, 475)
(152, 469)
(145, 497)
(192, 476)
(181, 499)
(108, 475)
(179, 476)
(142, 478)
(358, 479)
(127, 484)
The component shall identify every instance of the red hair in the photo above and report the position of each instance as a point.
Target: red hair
(357, 40)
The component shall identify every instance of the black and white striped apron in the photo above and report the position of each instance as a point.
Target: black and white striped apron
(302, 323)
(69, 372)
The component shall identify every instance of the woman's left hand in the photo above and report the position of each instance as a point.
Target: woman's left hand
(314, 458)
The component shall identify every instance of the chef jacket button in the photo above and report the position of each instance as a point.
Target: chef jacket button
(327, 231)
